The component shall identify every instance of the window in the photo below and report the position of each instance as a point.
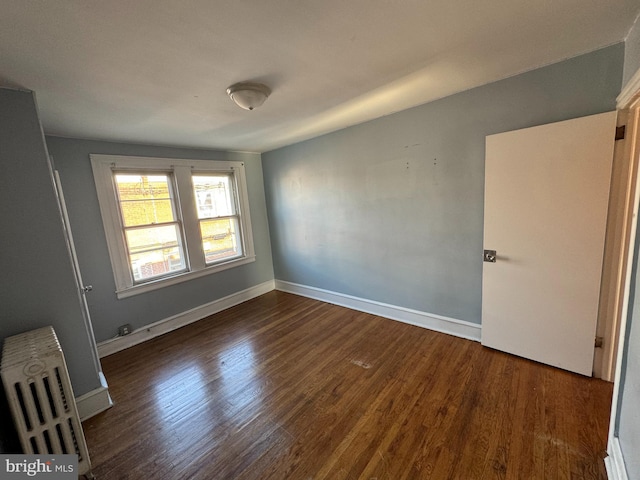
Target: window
(170, 220)
(151, 228)
(219, 221)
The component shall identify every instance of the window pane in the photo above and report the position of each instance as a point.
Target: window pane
(156, 263)
(144, 199)
(154, 251)
(220, 239)
(214, 197)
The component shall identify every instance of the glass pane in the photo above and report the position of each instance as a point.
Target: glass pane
(144, 199)
(214, 197)
(154, 251)
(220, 239)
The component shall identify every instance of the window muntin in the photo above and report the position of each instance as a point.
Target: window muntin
(172, 234)
(218, 217)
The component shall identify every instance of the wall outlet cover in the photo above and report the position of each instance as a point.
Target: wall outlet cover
(124, 330)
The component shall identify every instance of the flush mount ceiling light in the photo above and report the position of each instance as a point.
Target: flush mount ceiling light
(248, 95)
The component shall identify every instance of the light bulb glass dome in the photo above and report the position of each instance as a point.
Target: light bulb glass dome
(248, 95)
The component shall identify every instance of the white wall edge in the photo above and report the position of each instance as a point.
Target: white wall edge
(614, 463)
(174, 322)
(629, 91)
(95, 401)
(438, 323)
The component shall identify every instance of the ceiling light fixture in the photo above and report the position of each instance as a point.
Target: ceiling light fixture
(248, 95)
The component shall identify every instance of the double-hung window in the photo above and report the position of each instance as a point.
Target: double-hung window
(218, 217)
(150, 224)
(170, 220)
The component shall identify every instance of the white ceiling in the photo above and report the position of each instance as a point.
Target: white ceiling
(156, 71)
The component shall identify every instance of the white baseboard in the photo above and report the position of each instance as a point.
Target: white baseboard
(166, 325)
(451, 326)
(95, 401)
(615, 462)
(439, 323)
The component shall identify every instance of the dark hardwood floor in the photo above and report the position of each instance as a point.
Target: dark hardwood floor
(284, 387)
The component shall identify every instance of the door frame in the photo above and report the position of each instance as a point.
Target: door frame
(618, 243)
(628, 103)
(97, 400)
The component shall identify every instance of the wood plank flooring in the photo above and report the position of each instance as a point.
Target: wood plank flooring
(284, 387)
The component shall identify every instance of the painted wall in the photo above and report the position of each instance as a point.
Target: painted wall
(37, 283)
(71, 159)
(628, 420)
(392, 210)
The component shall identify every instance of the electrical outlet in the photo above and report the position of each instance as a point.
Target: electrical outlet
(124, 330)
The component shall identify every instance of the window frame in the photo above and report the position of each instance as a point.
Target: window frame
(182, 171)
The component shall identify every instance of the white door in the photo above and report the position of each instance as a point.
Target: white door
(546, 198)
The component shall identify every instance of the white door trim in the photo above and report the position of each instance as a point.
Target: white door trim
(629, 98)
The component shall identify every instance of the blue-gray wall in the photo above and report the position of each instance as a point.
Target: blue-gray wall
(71, 159)
(392, 210)
(628, 421)
(37, 283)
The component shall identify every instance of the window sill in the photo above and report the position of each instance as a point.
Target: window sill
(183, 277)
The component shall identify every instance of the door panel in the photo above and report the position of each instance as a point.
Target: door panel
(546, 197)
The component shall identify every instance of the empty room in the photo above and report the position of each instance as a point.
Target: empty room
(320, 240)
